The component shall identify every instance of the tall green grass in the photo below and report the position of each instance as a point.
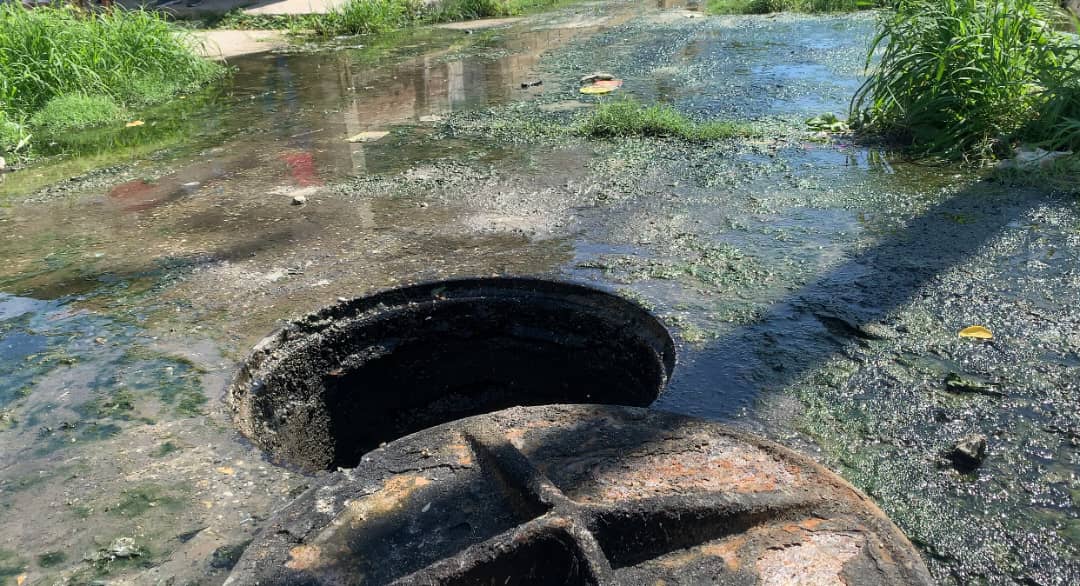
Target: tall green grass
(810, 6)
(970, 78)
(373, 16)
(120, 57)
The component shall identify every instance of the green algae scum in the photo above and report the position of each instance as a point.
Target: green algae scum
(815, 283)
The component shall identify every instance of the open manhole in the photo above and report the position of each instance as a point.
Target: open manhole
(328, 388)
(581, 494)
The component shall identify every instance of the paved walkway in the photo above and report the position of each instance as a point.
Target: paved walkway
(223, 44)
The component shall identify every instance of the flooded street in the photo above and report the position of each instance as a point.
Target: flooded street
(816, 285)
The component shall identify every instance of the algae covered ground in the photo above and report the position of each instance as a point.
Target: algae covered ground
(817, 285)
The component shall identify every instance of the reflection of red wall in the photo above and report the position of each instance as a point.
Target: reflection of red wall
(302, 168)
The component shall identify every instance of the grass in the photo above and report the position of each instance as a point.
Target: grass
(770, 6)
(95, 62)
(373, 16)
(971, 79)
(628, 118)
(72, 111)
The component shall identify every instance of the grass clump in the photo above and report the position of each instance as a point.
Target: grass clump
(367, 16)
(628, 118)
(72, 111)
(771, 6)
(972, 78)
(128, 57)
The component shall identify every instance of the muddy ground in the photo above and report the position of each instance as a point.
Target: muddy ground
(817, 285)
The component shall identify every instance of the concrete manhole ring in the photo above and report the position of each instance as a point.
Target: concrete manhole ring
(581, 494)
(327, 388)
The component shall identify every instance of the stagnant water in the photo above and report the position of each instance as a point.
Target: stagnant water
(817, 285)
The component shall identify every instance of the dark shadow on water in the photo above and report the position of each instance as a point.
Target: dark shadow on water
(801, 331)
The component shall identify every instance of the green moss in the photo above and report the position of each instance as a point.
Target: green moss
(11, 564)
(52, 558)
(627, 117)
(137, 501)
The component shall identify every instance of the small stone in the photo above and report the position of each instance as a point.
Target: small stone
(969, 453)
(299, 200)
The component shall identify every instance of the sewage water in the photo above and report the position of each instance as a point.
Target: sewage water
(817, 285)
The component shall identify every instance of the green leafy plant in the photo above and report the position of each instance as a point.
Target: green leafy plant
(967, 78)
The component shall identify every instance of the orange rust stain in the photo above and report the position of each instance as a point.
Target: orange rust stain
(303, 557)
(395, 491)
(817, 561)
(719, 467)
(462, 454)
(728, 550)
(516, 437)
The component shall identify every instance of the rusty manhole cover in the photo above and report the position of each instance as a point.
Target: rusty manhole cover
(581, 494)
(328, 388)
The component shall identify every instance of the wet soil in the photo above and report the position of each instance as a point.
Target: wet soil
(817, 285)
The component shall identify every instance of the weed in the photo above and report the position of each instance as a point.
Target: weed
(968, 78)
(165, 449)
(627, 117)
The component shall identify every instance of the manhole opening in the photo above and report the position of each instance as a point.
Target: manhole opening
(328, 388)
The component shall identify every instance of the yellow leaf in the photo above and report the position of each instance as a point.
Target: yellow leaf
(20, 579)
(977, 332)
(596, 89)
(227, 470)
(135, 123)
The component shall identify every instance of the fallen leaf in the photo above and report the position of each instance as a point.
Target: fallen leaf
(20, 579)
(611, 83)
(135, 123)
(369, 136)
(977, 332)
(596, 90)
(226, 470)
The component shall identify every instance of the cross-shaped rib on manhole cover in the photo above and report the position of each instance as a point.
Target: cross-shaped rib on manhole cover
(581, 495)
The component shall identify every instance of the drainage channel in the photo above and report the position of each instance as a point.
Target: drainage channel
(490, 431)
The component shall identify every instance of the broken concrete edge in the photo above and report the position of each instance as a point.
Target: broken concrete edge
(289, 546)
